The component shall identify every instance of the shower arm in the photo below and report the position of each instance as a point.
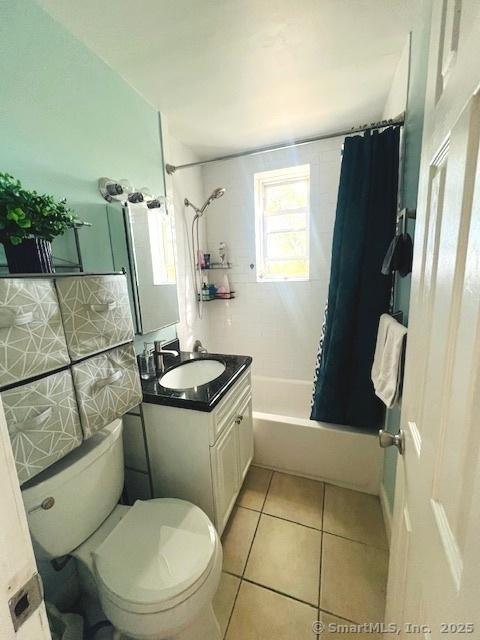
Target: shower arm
(217, 193)
(198, 211)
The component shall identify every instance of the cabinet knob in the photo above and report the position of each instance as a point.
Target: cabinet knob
(238, 419)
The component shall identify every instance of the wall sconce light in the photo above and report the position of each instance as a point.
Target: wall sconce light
(116, 189)
(136, 197)
(122, 191)
(159, 202)
(110, 189)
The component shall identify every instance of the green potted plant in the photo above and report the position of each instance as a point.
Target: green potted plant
(28, 223)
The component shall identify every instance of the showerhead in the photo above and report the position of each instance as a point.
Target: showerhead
(216, 193)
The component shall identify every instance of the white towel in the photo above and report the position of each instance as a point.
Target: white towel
(387, 363)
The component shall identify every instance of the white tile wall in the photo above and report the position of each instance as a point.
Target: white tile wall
(277, 323)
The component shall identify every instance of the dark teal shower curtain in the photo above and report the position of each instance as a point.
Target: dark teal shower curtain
(358, 292)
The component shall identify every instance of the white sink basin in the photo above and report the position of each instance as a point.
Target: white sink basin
(192, 374)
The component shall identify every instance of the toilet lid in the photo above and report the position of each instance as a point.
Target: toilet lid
(156, 552)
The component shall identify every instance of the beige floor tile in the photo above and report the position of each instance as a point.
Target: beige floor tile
(237, 539)
(260, 614)
(286, 557)
(255, 487)
(338, 629)
(296, 499)
(224, 599)
(354, 515)
(354, 577)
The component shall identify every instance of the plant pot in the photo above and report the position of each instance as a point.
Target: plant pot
(33, 255)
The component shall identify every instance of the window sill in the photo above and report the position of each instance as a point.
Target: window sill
(282, 280)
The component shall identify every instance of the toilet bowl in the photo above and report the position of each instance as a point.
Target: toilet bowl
(155, 570)
(154, 567)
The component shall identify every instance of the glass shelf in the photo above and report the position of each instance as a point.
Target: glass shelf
(217, 265)
(221, 296)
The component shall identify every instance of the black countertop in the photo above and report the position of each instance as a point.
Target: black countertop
(204, 397)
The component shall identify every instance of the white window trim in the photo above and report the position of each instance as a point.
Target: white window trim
(288, 174)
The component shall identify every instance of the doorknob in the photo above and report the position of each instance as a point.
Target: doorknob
(387, 439)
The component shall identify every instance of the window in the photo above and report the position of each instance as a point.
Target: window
(282, 211)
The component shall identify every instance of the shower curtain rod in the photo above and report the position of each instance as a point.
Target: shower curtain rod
(399, 120)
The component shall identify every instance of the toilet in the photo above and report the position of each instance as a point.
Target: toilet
(154, 567)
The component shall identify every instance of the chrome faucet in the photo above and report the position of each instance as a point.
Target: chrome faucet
(159, 352)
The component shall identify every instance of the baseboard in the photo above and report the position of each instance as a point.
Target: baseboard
(317, 478)
(387, 514)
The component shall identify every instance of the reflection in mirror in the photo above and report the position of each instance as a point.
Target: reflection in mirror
(143, 243)
(160, 231)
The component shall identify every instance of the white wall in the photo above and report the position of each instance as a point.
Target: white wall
(278, 324)
(186, 183)
(396, 102)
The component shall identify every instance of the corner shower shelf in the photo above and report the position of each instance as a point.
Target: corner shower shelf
(221, 296)
(217, 265)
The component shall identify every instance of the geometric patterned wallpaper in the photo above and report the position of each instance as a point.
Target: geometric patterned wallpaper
(43, 422)
(32, 341)
(96, 313)
(107, 386)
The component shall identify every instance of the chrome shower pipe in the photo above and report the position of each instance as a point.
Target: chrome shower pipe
(199, 211)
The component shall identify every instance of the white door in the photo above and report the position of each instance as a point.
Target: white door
(17, 562)
(224, 460)
(245, 437)
(434, 581)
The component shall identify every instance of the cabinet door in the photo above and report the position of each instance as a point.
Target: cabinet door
(226, 478)
(245, 437)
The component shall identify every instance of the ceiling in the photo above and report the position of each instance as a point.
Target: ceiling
(236, 74)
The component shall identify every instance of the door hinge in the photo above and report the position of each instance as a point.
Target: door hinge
(26, 600)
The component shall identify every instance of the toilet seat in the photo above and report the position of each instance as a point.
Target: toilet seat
(157, 556)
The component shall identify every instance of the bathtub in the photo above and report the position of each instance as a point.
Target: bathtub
(286, 440)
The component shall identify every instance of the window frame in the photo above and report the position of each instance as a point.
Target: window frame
(262, 180)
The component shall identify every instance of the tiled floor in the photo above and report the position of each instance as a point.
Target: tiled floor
(297, 551)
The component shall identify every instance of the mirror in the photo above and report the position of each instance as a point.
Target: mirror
(143, 243)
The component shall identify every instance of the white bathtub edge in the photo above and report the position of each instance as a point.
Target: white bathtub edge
(338, 455)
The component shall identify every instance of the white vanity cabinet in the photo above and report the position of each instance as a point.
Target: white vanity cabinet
(202, 457)
(245, 436)
(225, 463)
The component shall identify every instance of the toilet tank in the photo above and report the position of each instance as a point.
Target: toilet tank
(66, 503)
